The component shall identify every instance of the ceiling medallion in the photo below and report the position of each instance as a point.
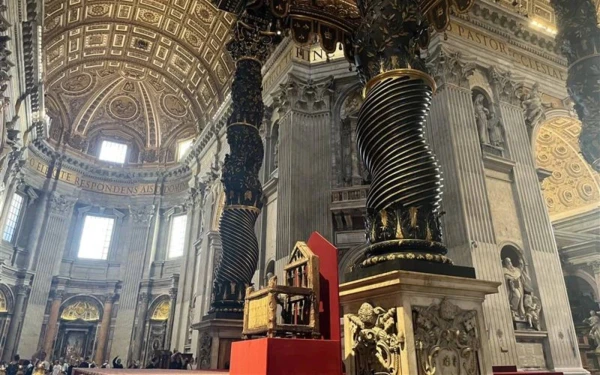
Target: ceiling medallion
(149, 16)
(172, 106)
(77, 84)
(192, 39)
(203, 13)
(98, 10)
(123, 108)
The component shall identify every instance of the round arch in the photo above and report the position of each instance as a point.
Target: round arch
(7, 300)
(82, 306)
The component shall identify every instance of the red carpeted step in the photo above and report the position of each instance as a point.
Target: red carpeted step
(503, 369)
(512, 370)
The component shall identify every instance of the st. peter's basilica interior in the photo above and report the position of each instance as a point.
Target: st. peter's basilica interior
(158, 157)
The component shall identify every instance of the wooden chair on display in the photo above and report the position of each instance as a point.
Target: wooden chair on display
(297, 301)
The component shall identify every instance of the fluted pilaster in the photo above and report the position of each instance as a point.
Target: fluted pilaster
(468, 224)
(304, 169)
(142, 310)
(537, 232)
(51, 248)
(140, 236)
(22, 291)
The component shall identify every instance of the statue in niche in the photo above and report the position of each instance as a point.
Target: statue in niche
(524, 305)
(481, 117)
(532, 311)
(516, 291)
(352, 167)
(594, 322)
(495, 129)
(533, 106)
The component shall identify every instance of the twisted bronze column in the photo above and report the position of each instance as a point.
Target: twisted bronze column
(404, 198)
(579, 37)
(250, 47)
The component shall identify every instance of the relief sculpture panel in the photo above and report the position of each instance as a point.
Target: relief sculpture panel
(446, 339)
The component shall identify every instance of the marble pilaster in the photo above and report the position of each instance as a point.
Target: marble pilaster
(538, 236)
(213, 251)
(142, 310)
(104, 329)
(140, 223)
(173, 300)
(596, 269)
(304, 164)
(468, 226)
(51, 248)
(52, 326)
(188, 274)
(22, 291)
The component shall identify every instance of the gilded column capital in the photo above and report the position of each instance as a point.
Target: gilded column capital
(508, 89)
(141, 215)
(450, 67)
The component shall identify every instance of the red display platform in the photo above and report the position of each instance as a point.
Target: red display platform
(276, 356)
(329, 309)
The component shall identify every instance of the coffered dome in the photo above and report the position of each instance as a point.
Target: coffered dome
(145, 72)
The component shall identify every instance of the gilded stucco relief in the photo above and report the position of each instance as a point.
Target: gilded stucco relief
(573, 187)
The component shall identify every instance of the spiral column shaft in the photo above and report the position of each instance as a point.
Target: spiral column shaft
(237, 263)
(405, 194)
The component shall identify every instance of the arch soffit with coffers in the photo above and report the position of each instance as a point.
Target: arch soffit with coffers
(150, 103)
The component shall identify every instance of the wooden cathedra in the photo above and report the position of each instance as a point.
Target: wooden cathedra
(289, 310)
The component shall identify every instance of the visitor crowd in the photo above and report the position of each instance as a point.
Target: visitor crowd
(40, 366)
